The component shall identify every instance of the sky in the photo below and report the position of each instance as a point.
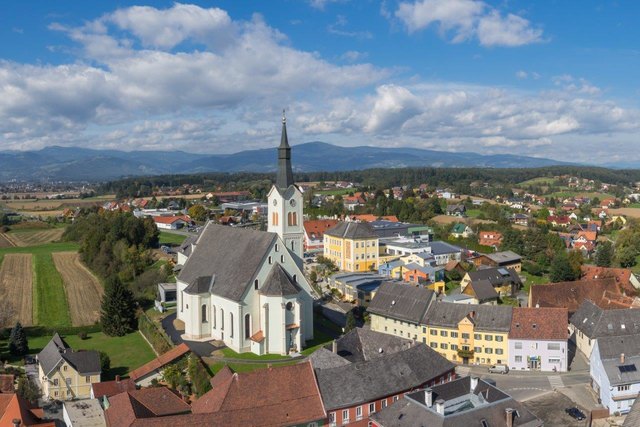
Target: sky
(551, 78)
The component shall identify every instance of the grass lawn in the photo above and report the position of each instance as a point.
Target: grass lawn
(454, 284)
(227, 352)
(336, 191)
(591, 195)
(473, 213)
(319, 339)
(539, 181)
(530, 279)
(167, 238)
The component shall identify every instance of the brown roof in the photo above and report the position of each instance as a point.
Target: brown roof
(571, 294)
(318, 227)
(111, 388)
(170, 219)
(589, 235)
(159, 362)
(13, 407)
(127, 407)
(6, 383)
(621, 275)
(543, 323)
(277, 396)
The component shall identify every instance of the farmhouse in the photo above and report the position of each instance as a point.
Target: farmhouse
(171, 222)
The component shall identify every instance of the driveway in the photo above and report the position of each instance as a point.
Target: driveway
(202, 349)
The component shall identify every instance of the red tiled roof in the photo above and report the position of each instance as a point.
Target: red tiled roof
(127, 407)
(621, 275)
(170, 219)
(284, 395)
(318, 227)
(160, 361)
(371, 218)
(6, 383)
(257, 337)
(544, 323)
(111, 388)
(13, 407)
(589, 235)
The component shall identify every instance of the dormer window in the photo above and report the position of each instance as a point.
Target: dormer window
(276, 247)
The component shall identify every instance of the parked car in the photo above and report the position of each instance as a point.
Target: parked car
(575, 413)
(498, 369)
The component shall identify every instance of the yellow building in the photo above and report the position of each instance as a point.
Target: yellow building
(469, 333)
(352, 246)
(66, 374)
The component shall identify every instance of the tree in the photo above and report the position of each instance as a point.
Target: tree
(604, 254)
(626, 256)
(575, 261)
(105, 363)
(560, 270)
(28, 390)
(172, 375)
(350, 323)
(198, 212)
(18, 344)
(118, 313)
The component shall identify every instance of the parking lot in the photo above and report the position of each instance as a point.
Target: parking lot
(550, 408)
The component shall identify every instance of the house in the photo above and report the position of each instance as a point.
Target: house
(66, 374)
(388, 268)
(246, 287)
(143, 375)
(371, 218)
(490, 238)
(481, 292)
(274, 396)
(504, 280)
(504, 259)
(461, 230)
(352, 202)
(604, 293)
(352, 246)
(83, 413)
(456, 210)
(106, 389)
(467, 401)
(615, 372)
(369, 371)
(134, 407)
(359, 287)
(469, 333)
(633, 416)
(422, 274)
(314, 233)
(171, 222)
(14, 408)
(397, 309)
(444, 252)
(520, 219)
(559, 221)
(623, 276)
(538, 339)
(591, 323)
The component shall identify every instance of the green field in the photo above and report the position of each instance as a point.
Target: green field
(126, 353)
(335, 191)
(568, 193)
(539, 181)
(530, 279)
(167, 238)
(49, 299)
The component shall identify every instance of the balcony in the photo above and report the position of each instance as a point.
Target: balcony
(465, 354)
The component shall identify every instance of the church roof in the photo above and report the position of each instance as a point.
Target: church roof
(279, 283)
(232, 255)
(284, 179)
(201, 285)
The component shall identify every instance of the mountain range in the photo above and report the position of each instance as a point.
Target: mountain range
(81, 164)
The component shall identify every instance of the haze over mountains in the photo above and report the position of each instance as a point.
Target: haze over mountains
(75, 164)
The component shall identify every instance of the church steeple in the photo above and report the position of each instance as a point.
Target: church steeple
(285, 174)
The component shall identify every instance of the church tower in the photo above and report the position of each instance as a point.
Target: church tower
(285, 202)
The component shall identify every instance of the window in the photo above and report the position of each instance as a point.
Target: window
(231, 325)
(499, 351)
(477, 336)
(274, 218)
(518, 346)
(314, 424)
(424, 340)
(270, 261)
(554, 360)
(222, 319)
(372, 408)
(454, 346)
(443, 346)
(518, 359)
(332, 417)
(255, 284)
(454, 335)
(395, 398)
(434, 345)
(477, 349)
(247, 326)
(87, 379)
(434, 332)
(553, 346)
(488, 350)
(499, 338)
(64, 368)
(276, 247)
(424, 329)
(68, 381)
(56, 394)
(55, 382)
(383, 403)
(443, 333)
(488, 337)
(281, 258)
(204, 313)
(345, 415)
(213, 316)
(465, 336)
(623, 387)
(358, 412)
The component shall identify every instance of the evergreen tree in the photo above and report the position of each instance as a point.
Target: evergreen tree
(18, 344)
(561, 270)
(118, 314)
(604, 254)
(351, 322)
(28, 390)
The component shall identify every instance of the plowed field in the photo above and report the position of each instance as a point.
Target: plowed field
(84, 291)
(16, 284)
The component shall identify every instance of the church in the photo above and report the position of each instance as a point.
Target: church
(246, 287)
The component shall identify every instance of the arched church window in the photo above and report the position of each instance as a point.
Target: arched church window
(274, 218)
(231, 324)
(294, 217)
(204, 313)
(222, 319)
(213, 316)
(255, 284)
(295, 278)
(247, 326)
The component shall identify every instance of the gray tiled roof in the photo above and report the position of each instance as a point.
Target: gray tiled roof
(362, 382)
(232, 255)
(361, 344)
(324, 359)
(485, 317)
(85, 362)
(633, 417)
(484, 290)
(201, 285)
(412, 411)
(496, 275)
(595, 322)
(442, 248)
(279, 283)
(504, 256)
(401, 301)
(611, 350)
(352, 230)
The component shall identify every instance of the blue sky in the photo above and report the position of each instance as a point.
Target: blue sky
(555, 79)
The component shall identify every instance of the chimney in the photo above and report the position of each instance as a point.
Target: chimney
(16, 422)
(117, 378)
(621, 357)
(472, 314)
(440, 406)
(509, 414)
(334, 346)
(428, 397)
(474, 383)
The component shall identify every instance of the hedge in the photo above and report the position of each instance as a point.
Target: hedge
(157, 338)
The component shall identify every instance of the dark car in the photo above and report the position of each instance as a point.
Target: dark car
(575, 413)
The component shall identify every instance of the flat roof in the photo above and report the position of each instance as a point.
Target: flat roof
(85, 413)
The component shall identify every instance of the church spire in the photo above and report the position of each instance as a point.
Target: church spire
(285, 174)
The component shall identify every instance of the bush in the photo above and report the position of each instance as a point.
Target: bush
(158, 339)
(532, 268)
(83, 335)
(198, 375)
(105, 362)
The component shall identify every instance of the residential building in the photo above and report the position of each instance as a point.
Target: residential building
(505, 281)
(390, 227)
(66, 374)
(171, 222)
(394, 365)
(359, 287)
(538, 339)
(275, 396)
(352, 246)
(314, 234)
(490, 238)
(591, 323)
(15, 408)
(469, 333)
(504, 259)
(615, 372)
(467, 401)
(623, 276)
(481, 292)
(456, 210)
(83, 413)
(246, 287)
(461, 230)
(397, 309)
(633, 416)
(145, 374)
(106, 389)
(130, 408)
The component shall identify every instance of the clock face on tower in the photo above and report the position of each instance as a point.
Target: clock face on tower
(275, 202)
(292, 203)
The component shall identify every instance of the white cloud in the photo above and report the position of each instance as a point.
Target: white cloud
(321, 4)
(339, 28)
(462, 20)
(354, 56)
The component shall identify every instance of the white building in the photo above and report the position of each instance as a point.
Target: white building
(246, 287)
